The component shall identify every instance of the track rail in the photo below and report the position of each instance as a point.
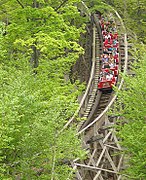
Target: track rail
(94, 86)
(124, 66)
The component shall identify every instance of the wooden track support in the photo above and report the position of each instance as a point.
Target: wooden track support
(104, 160)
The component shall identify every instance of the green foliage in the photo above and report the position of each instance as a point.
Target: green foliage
(37, 103)
(33, 110)
(133, 132)
(133, 13)
(95, 5)
(52, 29)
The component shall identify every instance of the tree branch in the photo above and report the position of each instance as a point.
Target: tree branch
(56, 9)
(20, 4)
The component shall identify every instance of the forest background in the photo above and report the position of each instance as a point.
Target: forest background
(39, 42)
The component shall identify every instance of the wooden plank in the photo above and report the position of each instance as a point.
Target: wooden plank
(76, 171)
(101, 155)
(95, 168)
(111, 147)
(107, 136)
(120, 162)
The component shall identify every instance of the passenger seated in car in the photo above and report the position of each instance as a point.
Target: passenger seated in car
(105, 65)
(112, 65)
(116, 57)
(111, 58)
(109, 36)
(115, 41)
(106, 58)
(110, 48)
(104, 32)
(115, 44)
(115, 35)
(102, 76)
(111, 72)
(105, 51)
(109, 77)
(106, 42)
(111, 41)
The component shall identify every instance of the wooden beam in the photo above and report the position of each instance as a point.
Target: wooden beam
(95, 168)
(101, 155)
(120, 162)
(107, 136)
(100, 177)
(111, 147)
(76, 171)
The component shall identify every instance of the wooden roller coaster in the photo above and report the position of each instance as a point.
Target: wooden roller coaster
(104, 160)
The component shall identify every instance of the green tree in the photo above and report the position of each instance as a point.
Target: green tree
(33, 111)
(133, 13)
(96, 6)
(35, 106)
(133, 131)
(42, 29)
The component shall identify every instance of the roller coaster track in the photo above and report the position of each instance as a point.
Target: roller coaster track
(104, 160)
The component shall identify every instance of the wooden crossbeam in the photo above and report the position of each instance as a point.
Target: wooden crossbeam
(113, 147)
(101, 155)
(120, 162)
(95, 168)
(107, 136)
(101, 178)
(76, 171)
(97, 175)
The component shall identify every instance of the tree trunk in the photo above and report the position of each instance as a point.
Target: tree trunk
(34, 57)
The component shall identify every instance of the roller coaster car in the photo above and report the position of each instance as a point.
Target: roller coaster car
(107, 84)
